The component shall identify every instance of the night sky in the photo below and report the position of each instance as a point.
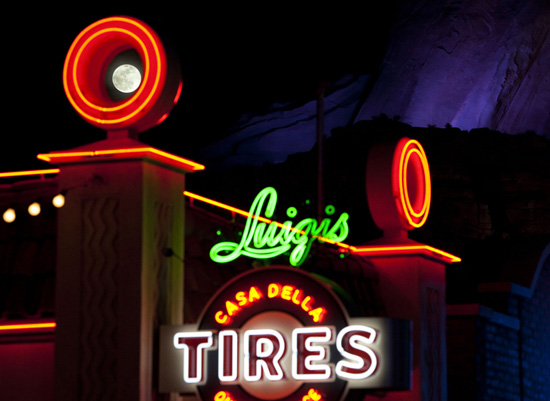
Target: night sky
(234, 61)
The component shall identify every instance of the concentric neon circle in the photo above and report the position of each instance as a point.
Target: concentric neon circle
(88, 59)
(411, 183)
(398, 185)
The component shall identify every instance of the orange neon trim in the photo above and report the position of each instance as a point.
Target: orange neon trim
(29, 172)
(49, 157)
(28, 326)
(389, 250)
(361, 250)
(223, 206)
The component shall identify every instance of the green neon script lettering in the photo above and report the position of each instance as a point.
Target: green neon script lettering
(261, 240)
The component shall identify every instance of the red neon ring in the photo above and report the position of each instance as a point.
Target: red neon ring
(89, 56)
(413, 213)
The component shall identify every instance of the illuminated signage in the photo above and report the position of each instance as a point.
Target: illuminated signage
(265, 239)
(278, 333)
(410, 248)
(91, 69)
(398, 185)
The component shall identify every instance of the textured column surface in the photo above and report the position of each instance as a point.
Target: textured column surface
(116, 281)
(414, 288)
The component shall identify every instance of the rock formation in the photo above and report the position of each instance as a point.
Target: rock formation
(465, 64)
(471, 64)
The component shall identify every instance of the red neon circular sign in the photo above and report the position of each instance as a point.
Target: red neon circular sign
(412, 188)
(88, 60)
(398, 185)
(280, 299)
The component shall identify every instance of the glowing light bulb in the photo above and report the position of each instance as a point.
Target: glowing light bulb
(34, 209)
(126, 78)
(58, 201)
(9, 215)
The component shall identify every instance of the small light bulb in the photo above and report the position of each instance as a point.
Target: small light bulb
(58, 200)
(9, 215)
(34, 209)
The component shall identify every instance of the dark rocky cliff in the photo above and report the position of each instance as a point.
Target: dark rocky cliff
(466, 64)
(471, 64)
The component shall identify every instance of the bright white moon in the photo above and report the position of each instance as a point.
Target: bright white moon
(126, 78)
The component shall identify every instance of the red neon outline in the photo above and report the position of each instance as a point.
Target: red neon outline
(178, 92)
(383, 250)
(102, 108)
(133, 34)
(157, 154)
(404, 150)
(426, 198)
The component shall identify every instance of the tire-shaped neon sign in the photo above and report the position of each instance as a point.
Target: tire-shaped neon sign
(398, 185)
(90, 58)
(413, 192)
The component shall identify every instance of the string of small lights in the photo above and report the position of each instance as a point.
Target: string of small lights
(35, 207)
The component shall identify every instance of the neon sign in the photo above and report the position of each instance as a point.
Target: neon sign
(91, 55)
(286, 292)
(258, 340)
(312, 395)
(368, 250)
(263, 350)
(266, 239)
(398, 185)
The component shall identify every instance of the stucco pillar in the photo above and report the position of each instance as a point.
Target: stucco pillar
(119, 268)
(413, 288)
